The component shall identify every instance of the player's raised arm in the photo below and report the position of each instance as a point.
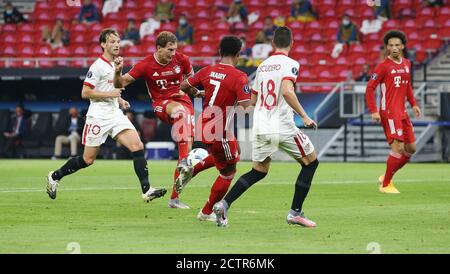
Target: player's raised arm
(121, 81)
(288, 93)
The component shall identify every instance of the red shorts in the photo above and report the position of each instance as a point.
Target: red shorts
(398, 129)
(225, 152)
(160, 106)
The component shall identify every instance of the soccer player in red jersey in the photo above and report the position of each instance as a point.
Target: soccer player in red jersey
(394, 75)
(225, 87)
(163, 73)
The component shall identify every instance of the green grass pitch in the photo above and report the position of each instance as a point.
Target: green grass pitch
(100, 209)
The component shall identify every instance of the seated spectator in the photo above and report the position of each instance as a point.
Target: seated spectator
(58, 37)
(14, 136)
(302, 11)
(245, 57)
(237, 13)
(365, 74)
(260, 52)
(185, 32)
(130, 36)
(89, 13)
(11, 15)
(267, 31)
(433, 3)
(70, 132)
(371, 25)
(348, 31)
(383, 10)
(279, 21)
(148, 27)
(164, 11)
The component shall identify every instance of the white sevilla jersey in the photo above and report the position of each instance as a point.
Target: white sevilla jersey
(100, 77)
(272, 114)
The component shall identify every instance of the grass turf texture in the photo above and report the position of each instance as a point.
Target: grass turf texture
(100, 208)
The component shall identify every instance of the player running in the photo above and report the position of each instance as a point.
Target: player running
(104, 118)
(225, 87)
(394, 75)
(274, 128)
(163, 73)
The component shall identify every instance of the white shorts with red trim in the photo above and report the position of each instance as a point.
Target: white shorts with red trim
(96, 130)
(297, 145)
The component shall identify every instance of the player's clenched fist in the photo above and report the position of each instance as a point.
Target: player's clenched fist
(116, 92)
(118, 62)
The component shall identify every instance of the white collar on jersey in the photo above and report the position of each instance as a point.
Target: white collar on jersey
(398, 63)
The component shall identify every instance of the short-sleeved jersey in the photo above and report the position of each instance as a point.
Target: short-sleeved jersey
(395, 80)
(272, 114)
(100, 77)
(224, 86)
(163, 81)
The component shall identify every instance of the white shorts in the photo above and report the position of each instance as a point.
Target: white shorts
(297, 145)
(97, 130)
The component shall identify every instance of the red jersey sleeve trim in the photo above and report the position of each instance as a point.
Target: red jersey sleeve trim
(187, 81)
(88, 84)
(243, 100)
(254, 91)
(289, 78)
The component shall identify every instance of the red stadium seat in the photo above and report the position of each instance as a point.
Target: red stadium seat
(80, 51)
(26, 51)
(62, 52)
(25, 28)
(79, 38)
(8, 51)
(9, 38)
(9, 28)
(432, 44)
(43, 51)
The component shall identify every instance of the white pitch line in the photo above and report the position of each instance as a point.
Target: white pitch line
(193, 185)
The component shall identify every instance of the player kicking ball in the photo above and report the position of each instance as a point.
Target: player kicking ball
(104, 118)
(394, 75)
(225, 87)
(163, 72)
(274, 128)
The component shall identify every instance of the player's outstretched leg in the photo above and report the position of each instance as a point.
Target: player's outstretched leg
(71, 166)
(302, 186)
(184, 178)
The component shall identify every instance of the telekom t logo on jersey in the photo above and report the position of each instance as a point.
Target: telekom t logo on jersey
(397, 80)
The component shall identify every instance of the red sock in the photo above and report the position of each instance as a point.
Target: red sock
(393, 163)
(174, 192)
(405, 159)
(218, 190)
(183, 149)
(205, 164)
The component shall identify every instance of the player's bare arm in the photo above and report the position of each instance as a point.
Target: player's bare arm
(124, 104)
(121, 81)
(187, 88)
(288, 93)
(90, 93)
(376, 117)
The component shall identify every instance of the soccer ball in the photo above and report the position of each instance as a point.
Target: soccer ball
(197, 155)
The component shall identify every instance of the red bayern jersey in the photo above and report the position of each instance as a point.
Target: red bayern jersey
(395, 80)
(224, 86)
(163, 81)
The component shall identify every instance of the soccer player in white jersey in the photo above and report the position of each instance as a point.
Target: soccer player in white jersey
(104, 118)
(274, 98)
